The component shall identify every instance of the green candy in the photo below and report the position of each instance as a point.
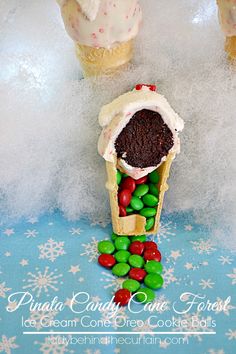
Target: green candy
(145, 295)
(118, 176)
(153, 281)
(150, 200)
(131, 285)
(153, 189)
(141, 190)
(125, 175)
(141, 238)
(120, 269)
(122, 256)
(122, 243)
(149, 223)
(136, 261)
(148, 212)
(113, 236)
(154, 177)
(106, 247)
(153, 267)
(136, 203)
(129, 209)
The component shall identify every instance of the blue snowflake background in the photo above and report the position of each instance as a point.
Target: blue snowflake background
(65, 254)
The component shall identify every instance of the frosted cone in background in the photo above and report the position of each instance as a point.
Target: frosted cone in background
(103, 32)
(227, 18)
(114, 117)
(135, 224)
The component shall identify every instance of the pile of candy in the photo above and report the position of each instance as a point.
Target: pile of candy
(139, 196)
(137, 258)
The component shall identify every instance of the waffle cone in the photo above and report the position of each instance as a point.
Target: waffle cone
(230, 47)
(102, 61)
(135, 224)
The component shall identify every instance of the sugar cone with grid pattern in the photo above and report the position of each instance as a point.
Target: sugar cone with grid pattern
(102, 61)
(135, 224)
(230, 47)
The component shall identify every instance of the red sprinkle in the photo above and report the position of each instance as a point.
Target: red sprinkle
(122, 211)
(137, 274)
(128, 183)
(122, 297)
(141, 180)
(136, 247)
(106, 260)
(150, 245)
(152, 254)
(124, 197)
(140, 86)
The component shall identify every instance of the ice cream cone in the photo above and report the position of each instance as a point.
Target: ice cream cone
(102, 61)
(135, 224)
(230, 47)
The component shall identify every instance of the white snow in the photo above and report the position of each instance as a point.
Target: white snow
(48, 118)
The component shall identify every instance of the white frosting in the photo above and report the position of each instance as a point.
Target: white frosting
(89, 8)
(227, 16)
(101, 23)
(116, 115)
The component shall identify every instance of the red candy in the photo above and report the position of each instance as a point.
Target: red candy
(137, 274)
(122, 211)
(150, 245)
(152, 254)
(124, 197)
(106, 260)
(136, 247)
(122, 297)
(128, 183)
(140, 86)
(141, 180)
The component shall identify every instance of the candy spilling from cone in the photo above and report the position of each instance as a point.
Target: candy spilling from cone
(136, 259)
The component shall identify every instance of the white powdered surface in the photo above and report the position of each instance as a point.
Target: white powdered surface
(48, 119)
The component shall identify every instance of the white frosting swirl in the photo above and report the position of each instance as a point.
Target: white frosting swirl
(116, 115)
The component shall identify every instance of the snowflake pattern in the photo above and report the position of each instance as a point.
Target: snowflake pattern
(225, 260)
(206, 284)
(168, 276)
(42, 281)
(231, 334)
(194, 321)
(226, 310)
(203, 246)
(232, 276)
(40, 317)
(31, 233)
(54, 345)
(51, 250)
(3, 289)
(7, 344)
(193, 267)
(165, 232)
(75, 231)
(117, 320)
(111, 281)
(91, 250)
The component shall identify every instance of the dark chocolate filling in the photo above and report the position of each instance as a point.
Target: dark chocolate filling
(145, 140)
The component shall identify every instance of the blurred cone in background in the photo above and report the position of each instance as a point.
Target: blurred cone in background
(227, 19)
(103, 32)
